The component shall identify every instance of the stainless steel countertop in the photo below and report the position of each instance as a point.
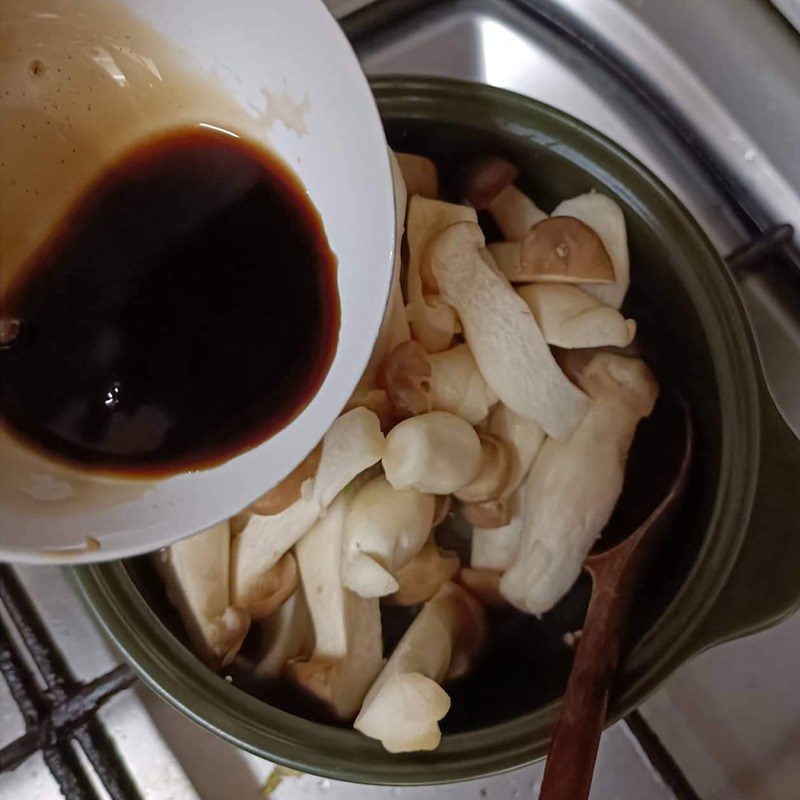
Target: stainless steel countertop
(730, 717)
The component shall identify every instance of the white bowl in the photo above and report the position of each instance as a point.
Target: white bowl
(281, 72)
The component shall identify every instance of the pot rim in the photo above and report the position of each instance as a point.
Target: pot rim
(174, 673)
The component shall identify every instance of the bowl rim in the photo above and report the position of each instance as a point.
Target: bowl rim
(140, 512)
(174, 673)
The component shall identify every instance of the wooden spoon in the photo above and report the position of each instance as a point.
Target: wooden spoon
(573, 748)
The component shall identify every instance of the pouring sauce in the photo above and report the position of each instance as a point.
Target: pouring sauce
(184, 310)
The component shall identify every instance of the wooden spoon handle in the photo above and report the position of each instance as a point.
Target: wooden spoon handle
(573, 748)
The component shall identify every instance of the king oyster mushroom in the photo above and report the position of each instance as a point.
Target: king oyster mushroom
(385, 528)
(491, 482)
(496, 548)
(286, 634)
(502, 334)
(196, 576)
(605, 218)
(433, 322)
(556, 250)
(423, 576)
(571, 317)
(352, 444)
(515, 213)
(575, 483)
(447, 381)
(437, 453)
(404, 705)
(420, 175)
(348, 649)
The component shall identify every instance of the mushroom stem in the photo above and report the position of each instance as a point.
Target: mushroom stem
(496, 548)
(574, 484)
(422, 577)
(196, 576)
(269, 590)
(352, 444)
(502, 334)
(491, 482)
(404, 705)
(433, 322)
(384, 530)
(515, 213)
(285, 634)
(456, 385)
(348, 651)
(572, 318)
(524, 436)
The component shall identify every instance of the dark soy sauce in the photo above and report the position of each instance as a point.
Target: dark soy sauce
(184, 311)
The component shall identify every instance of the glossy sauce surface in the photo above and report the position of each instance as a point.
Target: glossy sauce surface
(183, 311)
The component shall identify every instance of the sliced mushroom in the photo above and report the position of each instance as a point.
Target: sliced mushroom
(433, 322)
(280, 497)
(496, 548)
(348, 651)
(515, 213)
(284, 635)
(605, 218)
(196, 575)
(437, 453)
(482, 179)
(385, 529)
(422, 577)
(483, 585)
(574, 484)
(405, 704)
(407, 376)
(270, 589)
(571, 317)
(420, 175)
(524, 436)
(502, 334)
(556, 250)
(353, 443)
(491, 482)
(456, 385)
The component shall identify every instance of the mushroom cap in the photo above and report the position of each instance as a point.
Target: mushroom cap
(564, 250)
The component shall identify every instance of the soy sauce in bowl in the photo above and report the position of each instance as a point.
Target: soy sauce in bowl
(185, 310)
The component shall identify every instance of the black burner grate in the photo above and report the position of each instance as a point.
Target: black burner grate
(64, 711)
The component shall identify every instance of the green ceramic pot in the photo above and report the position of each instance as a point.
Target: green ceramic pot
(730, 566)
